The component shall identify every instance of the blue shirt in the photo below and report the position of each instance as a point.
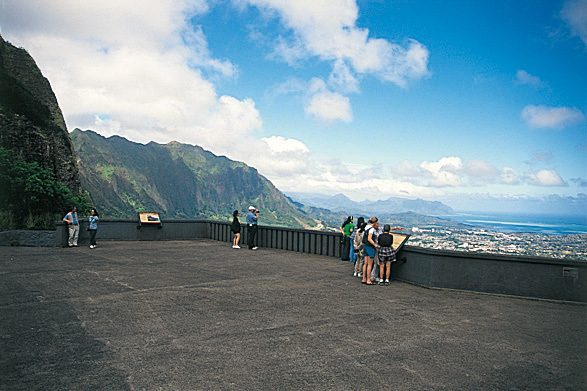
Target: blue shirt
(93, 222)
(72, 217)
(251, 218)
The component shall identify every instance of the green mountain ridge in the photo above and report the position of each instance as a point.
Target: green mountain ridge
(177, 180)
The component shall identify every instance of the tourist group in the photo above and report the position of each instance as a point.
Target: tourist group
(72, 221)
(370, 248)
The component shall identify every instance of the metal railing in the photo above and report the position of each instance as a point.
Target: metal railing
(281, 238)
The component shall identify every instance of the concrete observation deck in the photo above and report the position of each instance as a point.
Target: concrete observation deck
(187, 315)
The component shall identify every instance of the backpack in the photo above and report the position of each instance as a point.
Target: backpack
(366, 236)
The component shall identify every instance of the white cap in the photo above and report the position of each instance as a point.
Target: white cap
(251, 208)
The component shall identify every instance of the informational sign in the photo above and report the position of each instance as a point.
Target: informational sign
(147, 218)
(399, 240)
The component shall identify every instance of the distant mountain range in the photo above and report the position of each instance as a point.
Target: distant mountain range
(392, 205)
(177, 180)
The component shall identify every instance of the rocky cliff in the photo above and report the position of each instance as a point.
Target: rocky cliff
(31, 122)
(177, 180)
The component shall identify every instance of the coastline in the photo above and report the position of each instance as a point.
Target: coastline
(522, 223)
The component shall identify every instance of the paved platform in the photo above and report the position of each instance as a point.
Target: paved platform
(198, 315)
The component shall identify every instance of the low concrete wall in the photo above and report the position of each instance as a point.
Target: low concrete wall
(537, 277)
(502, 274)
(130, 230)
(28, 238)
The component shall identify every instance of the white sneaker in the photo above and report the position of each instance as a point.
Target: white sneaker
(233, 246)
(254, 248)
(354, 274)
(360, 275)
(237, 246)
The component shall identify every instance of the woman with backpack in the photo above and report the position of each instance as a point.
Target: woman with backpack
(370, 244)
(358, 247)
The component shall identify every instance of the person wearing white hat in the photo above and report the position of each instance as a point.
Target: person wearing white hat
(252, 218)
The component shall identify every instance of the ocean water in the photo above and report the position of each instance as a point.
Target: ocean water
(530, 223)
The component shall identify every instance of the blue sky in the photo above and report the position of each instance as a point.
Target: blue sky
(480, 104)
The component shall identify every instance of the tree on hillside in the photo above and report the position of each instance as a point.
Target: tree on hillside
(31, 196)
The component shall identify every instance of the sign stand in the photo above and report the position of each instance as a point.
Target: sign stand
(149, 218)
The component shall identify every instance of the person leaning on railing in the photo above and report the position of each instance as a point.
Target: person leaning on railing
(369, 238)
(346, 229)
(235, 228)
(252, 219)
(358, 247)
(72, 227)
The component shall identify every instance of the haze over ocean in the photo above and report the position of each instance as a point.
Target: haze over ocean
(529, 223)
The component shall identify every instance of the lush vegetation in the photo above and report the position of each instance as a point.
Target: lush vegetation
(31, 197)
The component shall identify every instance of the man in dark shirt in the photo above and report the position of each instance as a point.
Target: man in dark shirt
(252, 218)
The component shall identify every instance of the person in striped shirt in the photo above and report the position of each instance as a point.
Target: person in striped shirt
(72, 227)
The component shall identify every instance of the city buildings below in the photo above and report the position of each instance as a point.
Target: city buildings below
(572, 247)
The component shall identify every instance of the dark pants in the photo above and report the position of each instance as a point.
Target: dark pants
(93, 237)
(251, 235)
(345, 248)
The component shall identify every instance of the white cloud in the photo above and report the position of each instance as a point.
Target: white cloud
(328, 30)
(292, 167)
(327, 105)
(480, 169)
(581, 182)
(279, 144)
(574, 13)
(551, 117)
(545, 178)
(509, 176)
(523, 77)
(138, 71)
(444, 171)
(453, 171)
(540, 157)
(291, 52)
(201, 57)
(279, 158)
(342, 79)
(330, 106)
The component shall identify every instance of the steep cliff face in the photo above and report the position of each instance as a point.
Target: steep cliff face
(31, 122)
(178, 180)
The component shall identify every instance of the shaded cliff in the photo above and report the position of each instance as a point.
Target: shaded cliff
(39, 177)
(31, 122)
